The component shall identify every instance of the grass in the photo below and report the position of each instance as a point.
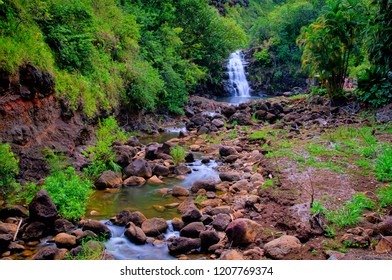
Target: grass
(383, 166)
(178, 154)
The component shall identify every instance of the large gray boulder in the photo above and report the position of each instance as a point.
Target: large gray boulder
(42, 208)
(282, 246)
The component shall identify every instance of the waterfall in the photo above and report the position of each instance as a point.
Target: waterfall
(237, 84)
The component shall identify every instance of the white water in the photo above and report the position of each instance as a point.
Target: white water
(238, 86)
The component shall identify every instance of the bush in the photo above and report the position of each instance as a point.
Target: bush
(384, 196)
(178, 154)
(9, 168)
(69, 192)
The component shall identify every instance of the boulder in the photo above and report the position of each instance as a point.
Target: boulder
(281, 247)
(192, 230)
(154, 227)
(98, 228)
(187, 204)
(182, 245)
(124, 154)
(208, 238)
(208, 185)
(218, 210)
(137, 218)
(243, 231)
(160, 170)
(230, 176)
(177, 223)
(385, 227)
(138, 168)
(5, 240)
(135, 234)
(182, 169)
(385, 245)
(132, 141)
(228, 111)
(221, 221)
(242, 118)
(108, 179)
(180, 191)
(64, 240)
(155, 180)
(6, 228)
(218, 123)
(63, 225)
(190, 157)
(47, 253)
(240, 185)
(34, 231)
(191, 215)
(231, 255)
(134, 181)
(225, 151)
(42, 208)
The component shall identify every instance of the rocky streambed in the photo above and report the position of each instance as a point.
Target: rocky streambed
(228, 200)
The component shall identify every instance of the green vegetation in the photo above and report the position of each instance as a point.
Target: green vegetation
(384, 195)
(92, 249)
(101, 155)
(9, 168)
(383, 168)
(178, 154)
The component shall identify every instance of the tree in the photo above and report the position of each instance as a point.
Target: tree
(330, 42)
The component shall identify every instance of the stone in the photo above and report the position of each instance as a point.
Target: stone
(187, 204)
(192, 230)
(385, 227)
(225, 151)
(8, 228)
(5, 240)
(122, 218)
(135, 234)
(243, 231)
(159, 208)
(98, 228)
(124, 154)
(108, 179)
(194, 148)
(180, 191)
(34, 231)
(177, 223)
(211, 202)
(134, 181)
(191, 215)
(15, 247)
(354, 240)
(240, 185)
(281, 247)
(137, 218)
(154, 226)
(218, 123)
(385, 245)
(182, 169)
(221, 221)
(63, 225)
(132, 141)
(242, 118)
(155, 180)
(138, 168)
(190, 157)
(42, 208)
(208, 185)
(182, 245)
(47, 253)
(231, 255)
(254, 253)
(64, 240)
(160, 170)
(208, 238)
(230, 176)
(218, 210)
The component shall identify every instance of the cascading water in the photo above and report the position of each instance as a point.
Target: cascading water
(238, 86)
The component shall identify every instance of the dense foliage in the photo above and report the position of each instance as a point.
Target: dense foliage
(8, 167)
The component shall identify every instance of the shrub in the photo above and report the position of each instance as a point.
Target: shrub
(384, 196)
(8, 168)
(178, 153)
(69, 192)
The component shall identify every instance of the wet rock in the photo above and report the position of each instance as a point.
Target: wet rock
(230, 176)
(122, 218)
(134, 181)
(63, 225)
(154, 227)
(243, 231)
(182, 245)
(180, 191)
(135, 234)
(98, 228)
(225, 151)
(137, 218)
(221, 221)
(208, 238)
(64, 240)
(160, 170)
(108, 179)
(191, 215)
(84, 235)
(47, 253)
(385, 245)
(182, 169)
(151, 151)
(177, 223)
(34, 231)
(155, 180)
(190, 157)
(42, 208)
(208, 185)
(281, 247)
(231, 255)
(139, 168)
(192, 230)
(124, 154)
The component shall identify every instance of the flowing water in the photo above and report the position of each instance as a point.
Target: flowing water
(238, 85)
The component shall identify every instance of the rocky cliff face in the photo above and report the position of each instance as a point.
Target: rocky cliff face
(32, 119)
